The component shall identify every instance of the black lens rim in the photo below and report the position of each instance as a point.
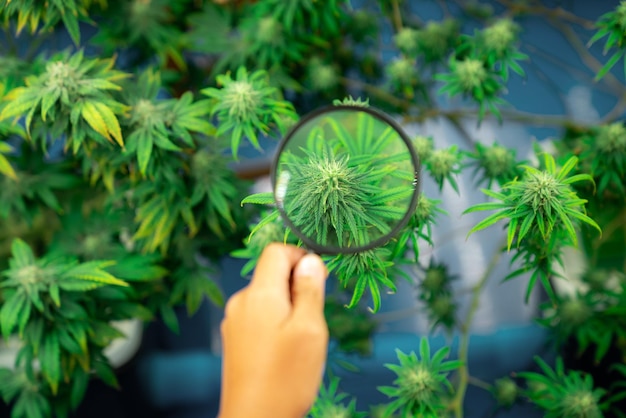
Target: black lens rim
(328, 250)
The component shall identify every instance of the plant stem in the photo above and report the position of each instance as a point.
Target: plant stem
(397, 16)
(464, 377)
(479, 383)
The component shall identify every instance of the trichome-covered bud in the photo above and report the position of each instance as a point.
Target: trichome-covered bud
(500, 36)
(323, 76)
(471, 73)
(407, 41)
(423, 146)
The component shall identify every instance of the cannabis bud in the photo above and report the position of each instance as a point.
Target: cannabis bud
(580, 404)
(611, 139)
(422, 382)
(435, 280)
(241, 98)
(423, 146)
(425, 210)
(269, 30)
(402, 71)
(496, 163)
(323, 76)
(500, 36)
(443, 164)
(471, 73)
(407, 41)
(442, 311)
(436, 38)
(505, 391)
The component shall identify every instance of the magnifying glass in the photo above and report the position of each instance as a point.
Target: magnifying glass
(345, 179)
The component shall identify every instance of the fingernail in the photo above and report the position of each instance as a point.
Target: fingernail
(311, 266)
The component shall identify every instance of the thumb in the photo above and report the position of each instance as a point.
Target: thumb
(309, 283)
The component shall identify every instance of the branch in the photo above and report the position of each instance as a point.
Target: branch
(547, 12)
(397, 15)
(590, 61)
(464, 377)
(575, 72)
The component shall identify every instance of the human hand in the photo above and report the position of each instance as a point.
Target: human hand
(275, 338)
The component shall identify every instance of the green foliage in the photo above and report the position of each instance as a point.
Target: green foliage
(45, 302)
(36, 16)
(495, 163)
(611, 26)
(166, 125)
(420, 226)
(443, 164)
(148, 178)
(331, 404)
(247, 105)
(142, 25)
(352, 330)
(369, 269)
(593, 318)
(538, 206)
(435, 291)
(335, 193)
(73, 95)
(422, 382)
(564, 394)
(605, 148)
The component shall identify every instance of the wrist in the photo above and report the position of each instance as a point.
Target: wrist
(266, 407)
(255, 412)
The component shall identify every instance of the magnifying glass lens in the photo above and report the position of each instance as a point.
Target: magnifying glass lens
(345, 180)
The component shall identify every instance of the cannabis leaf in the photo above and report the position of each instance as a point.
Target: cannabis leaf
(540, 200)
(161, 205)
(215, 189)
(193, 285)
(296, 14)
(37, 283)
(345, 189)
(5, 166)
(45, 16)
(331, 403)
(543, 213)
(146, 25)
(247, 106)
(611, 25)
(605, 148)
(72, 99)
(34, 190)
(471, 77)
(164, 124)
(564, 393)
(494, 163)
(422, 382)
(419, 226)
(371, 269)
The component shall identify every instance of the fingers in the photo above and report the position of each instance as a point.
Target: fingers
(308, 288)
(274, 267)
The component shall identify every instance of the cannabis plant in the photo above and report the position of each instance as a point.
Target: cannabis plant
(123, 171)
